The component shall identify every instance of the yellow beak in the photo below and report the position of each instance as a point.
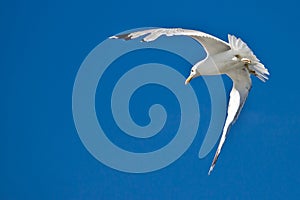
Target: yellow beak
(187, 81)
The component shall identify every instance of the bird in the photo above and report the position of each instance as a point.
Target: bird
(233, 58)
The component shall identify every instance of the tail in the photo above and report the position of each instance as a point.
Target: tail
(255, 67)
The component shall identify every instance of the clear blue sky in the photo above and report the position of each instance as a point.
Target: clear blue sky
(43, 44)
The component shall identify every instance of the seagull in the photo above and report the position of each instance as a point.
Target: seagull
(233, 58)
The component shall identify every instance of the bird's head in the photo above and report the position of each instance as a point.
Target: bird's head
(194, 73)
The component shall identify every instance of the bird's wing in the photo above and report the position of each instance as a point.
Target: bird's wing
(211, 44)
(238, 95)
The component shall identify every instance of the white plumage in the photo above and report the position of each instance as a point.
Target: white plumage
(234, 59)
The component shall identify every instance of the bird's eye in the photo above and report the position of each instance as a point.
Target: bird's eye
(192, 70)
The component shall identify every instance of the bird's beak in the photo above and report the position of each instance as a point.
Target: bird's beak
(187, 81)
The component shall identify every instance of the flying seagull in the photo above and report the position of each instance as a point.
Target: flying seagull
(234, 59)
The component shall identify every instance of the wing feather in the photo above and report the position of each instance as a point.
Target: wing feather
(238, 95)
(211, 44)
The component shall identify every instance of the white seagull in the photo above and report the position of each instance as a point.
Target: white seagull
(234, 59)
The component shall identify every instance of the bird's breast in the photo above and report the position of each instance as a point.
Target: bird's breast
(226, 61)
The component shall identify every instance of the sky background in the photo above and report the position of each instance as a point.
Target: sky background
(43, 44)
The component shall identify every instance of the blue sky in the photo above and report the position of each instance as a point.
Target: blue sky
(42, 47)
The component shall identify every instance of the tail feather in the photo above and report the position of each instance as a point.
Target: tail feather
(260, 71)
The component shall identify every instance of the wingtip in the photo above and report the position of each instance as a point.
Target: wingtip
(210, 170)
(122, 36)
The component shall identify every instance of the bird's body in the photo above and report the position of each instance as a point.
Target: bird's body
(234, 59)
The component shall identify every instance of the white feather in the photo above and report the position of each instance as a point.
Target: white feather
(234, 58)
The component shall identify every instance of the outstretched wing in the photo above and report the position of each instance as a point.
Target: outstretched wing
(211, 44)
(238, 95)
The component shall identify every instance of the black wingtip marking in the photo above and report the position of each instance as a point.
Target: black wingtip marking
(123, 36)
(213, 163)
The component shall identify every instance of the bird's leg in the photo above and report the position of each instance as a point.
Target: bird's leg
(246, 60)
